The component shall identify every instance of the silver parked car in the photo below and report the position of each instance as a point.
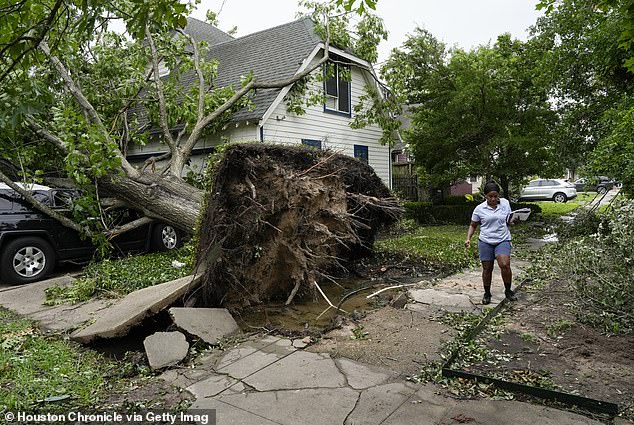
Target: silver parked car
(557, 190)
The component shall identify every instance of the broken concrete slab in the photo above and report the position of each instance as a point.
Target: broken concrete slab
(184, 377)
(227, 414)
(314, 406)
(67, 317)
(211, 386)
(209, 324)
(255, 361)
(455, 302)
(361, 376)
(165, 349)
(130, 311)
(28, 300)
(423, 408)
(298, 370)
(377, 403)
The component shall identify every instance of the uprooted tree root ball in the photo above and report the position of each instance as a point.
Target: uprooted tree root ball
(280, 219)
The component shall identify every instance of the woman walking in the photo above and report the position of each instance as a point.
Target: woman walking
(494, 242)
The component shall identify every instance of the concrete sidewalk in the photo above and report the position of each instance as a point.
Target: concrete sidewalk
(268, 381)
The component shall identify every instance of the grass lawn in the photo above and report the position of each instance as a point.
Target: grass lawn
(436, 244)
(46, 373)
(555, 209)
(115, 278)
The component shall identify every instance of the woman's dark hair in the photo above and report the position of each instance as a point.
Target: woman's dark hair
(491, 186)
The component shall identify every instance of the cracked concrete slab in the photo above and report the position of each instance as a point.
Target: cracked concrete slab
(136, 306)
(211, 386)
(209, 324)
(455, 302)
(28, 300)
(361, 376)
(377, 403)
(298, 370)
(315, 406)
(217, 361)
(165, 349)
(254, 361)
(227, 414)
(184, 377)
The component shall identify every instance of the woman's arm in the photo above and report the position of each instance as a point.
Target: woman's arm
(470, 232)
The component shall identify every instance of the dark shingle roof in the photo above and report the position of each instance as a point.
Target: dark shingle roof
(200, 31)
(272, 54)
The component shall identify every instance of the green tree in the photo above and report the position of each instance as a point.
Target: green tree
(481, 112)
(68, 85)
(584, 62)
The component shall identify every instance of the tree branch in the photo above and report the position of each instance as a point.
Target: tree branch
(85, 105)
(169, 140)
(44, 208)
(251, 85)
(199, 75)
(44, 134)
(119, 230)
(45, 27)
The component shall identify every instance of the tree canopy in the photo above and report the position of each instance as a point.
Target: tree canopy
(561, 100)
(478, 112)
(68, 86)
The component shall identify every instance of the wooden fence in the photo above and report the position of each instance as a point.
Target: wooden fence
(406, 186)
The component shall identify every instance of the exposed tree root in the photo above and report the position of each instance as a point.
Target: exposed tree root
(315, 211)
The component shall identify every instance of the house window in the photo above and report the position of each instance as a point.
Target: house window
(361, 153)
(337, 88)
(313, 143)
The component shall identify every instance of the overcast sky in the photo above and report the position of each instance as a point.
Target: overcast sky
(465, 23)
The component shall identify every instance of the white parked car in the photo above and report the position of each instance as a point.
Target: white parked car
(557, 190)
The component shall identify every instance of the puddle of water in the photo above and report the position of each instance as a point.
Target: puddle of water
(314, 313)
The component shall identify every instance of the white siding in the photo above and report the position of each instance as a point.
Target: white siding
(331, 129)
(234, 133)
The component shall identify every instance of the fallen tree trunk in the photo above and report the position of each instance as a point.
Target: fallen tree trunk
(170, 200)
(280, 219)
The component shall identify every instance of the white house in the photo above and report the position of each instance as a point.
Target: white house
(275, 54)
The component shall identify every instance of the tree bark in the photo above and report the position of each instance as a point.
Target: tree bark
(168, 199)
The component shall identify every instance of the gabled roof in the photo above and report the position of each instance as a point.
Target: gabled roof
(200, 31)
(272, 54)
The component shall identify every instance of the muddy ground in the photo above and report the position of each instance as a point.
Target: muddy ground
(540, 335)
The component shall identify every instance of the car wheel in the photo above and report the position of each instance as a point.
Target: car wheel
(560, 197)
(166, 237)
(602, 189)
(26, 260)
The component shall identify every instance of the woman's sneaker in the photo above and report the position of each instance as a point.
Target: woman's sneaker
(510, 295)
(486, 299)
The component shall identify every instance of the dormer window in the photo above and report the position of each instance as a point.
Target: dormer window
(337, 87)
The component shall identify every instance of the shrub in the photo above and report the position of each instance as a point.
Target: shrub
(600, 266)
(427, 213)
(459, 200)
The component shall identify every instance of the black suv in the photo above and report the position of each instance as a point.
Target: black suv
(32, 243)
(600, 184)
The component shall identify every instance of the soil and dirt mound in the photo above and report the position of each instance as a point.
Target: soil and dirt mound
(281, 219)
